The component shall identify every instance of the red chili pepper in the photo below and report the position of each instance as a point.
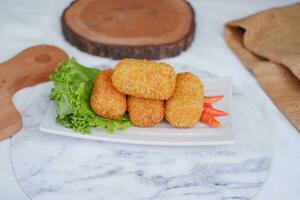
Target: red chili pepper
(213, 99)
(209, 120)
(207, 108)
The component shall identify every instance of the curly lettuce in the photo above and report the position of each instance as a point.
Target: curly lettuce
(72, 89)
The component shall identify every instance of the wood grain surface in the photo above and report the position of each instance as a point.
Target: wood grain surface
(31, 66)
(130, 28)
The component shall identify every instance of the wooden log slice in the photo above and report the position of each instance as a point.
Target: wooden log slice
(130, 28)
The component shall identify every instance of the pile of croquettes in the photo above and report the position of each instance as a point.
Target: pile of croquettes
(148, 92)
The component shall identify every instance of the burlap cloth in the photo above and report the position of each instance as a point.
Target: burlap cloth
(268, 44)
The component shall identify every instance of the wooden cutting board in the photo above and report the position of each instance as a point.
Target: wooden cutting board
(31, 66)
(130, 28)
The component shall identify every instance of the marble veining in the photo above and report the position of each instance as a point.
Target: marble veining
(54, 167)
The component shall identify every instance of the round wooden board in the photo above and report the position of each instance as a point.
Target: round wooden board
(130, 28)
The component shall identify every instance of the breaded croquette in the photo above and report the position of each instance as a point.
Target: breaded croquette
(145, 112)
(188, 84)
(184, 108)
(105, 100)
(145, 79)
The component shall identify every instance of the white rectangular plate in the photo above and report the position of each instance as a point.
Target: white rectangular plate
(163, 133)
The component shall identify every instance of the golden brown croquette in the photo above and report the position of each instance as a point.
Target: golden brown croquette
(105, 100)
(184, 108)
(145, 112)
(145, 79)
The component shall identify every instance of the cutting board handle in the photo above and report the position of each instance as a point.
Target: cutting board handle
(31, 66)
(10, 118)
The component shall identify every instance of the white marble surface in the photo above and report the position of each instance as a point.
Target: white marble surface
(21, 28)
(54, 167)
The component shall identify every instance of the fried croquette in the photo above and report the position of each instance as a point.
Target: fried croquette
(145, 79)
(184, 108)
(188, 84)
(145, 112)
(105, 100)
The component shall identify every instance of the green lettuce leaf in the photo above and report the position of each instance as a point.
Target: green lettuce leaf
(73, 84)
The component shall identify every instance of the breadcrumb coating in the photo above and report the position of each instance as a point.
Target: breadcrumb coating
(105, 100)
(188, 84)
(184, 108)
(145, 79)
(145, 112)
